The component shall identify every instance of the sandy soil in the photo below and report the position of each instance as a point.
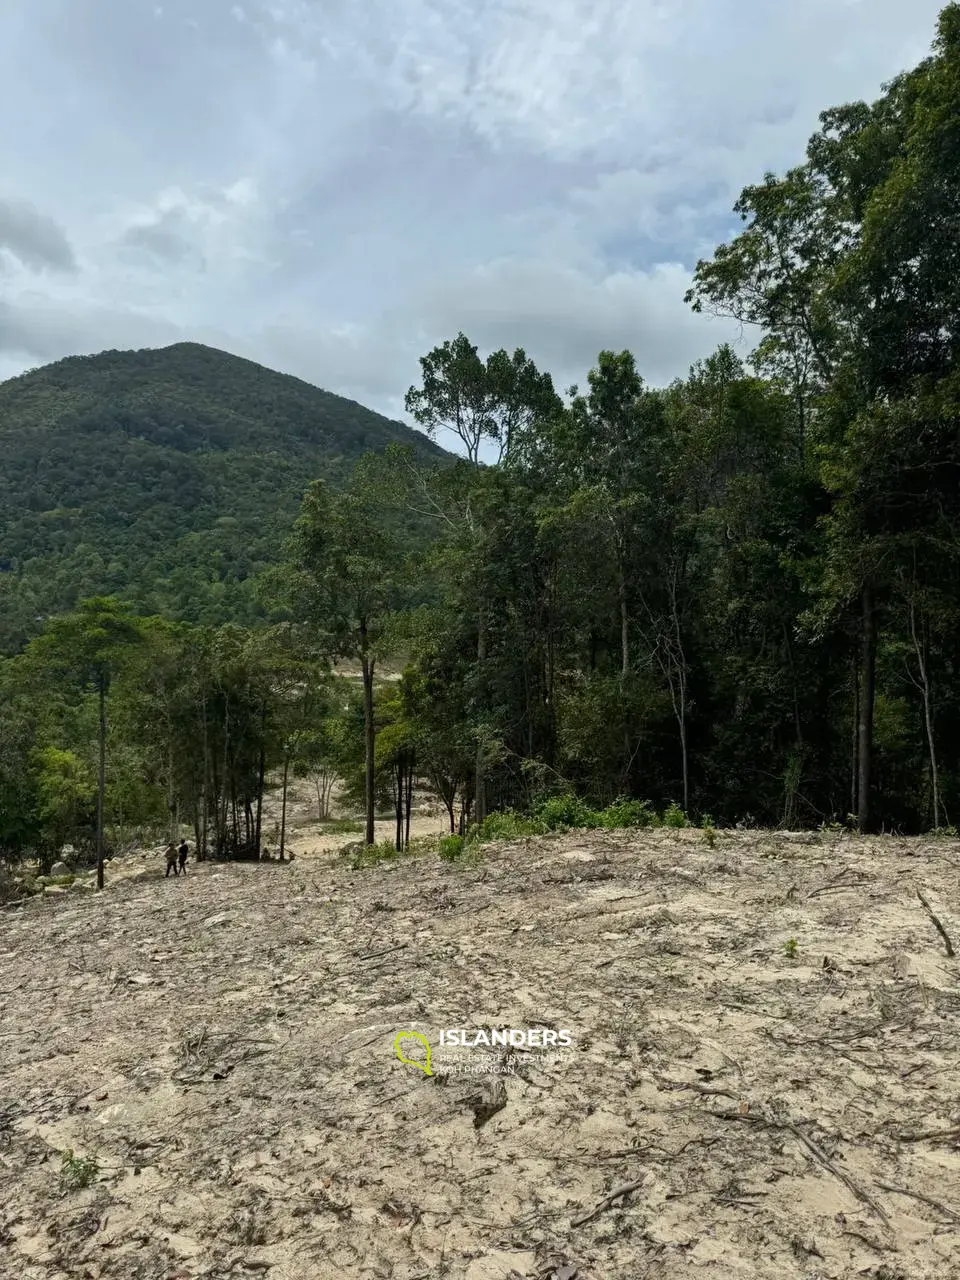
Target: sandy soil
(222, 1045)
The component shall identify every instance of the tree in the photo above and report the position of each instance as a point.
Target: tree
(87, 646)
(348, 582)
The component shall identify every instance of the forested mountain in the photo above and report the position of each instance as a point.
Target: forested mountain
(168, 477)
(733, 599)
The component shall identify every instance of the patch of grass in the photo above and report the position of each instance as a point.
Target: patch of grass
(334, 826)
(370, 855)
(506, 825)
(791, 948)
(76, 1171)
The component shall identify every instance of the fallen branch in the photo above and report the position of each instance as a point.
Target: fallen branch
(917, 1195)
(373, 955)
(624, 1189)
(937, 925)
(814, 1150)
(929, 1134)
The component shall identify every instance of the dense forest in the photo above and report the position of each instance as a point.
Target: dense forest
(736, 597)
(168, 477)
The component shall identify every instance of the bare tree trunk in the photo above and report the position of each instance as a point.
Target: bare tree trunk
(101, 780)
(854, 738)
(369, 735)
(868, 665)
(398, 803)
(261, 771)
(205, 790)
(283, 805)
(624, 622)
(919, 649)
(409, 802)
(171, 803)
(479, 784)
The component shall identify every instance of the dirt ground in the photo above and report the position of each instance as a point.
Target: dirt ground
(763, 1080)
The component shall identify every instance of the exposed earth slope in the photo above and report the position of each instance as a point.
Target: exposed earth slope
(734, 1103)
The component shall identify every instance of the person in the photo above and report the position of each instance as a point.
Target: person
(183, 854)
(171, 860)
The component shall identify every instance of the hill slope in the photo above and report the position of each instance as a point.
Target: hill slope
(168, 476)
(223, 1046)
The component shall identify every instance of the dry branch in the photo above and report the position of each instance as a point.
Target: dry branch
(814, 1150)
(917, 1195)
(937, 925)
(624, 1189)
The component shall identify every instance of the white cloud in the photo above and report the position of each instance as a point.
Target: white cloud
(332, 187)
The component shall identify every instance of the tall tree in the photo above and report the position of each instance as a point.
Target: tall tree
(87, 646)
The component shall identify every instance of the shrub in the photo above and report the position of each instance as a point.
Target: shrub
(627, 813)
(559, 813)
(77, 1172)
(506, 825)
(371, 855)
(452, 847)
(673, 816)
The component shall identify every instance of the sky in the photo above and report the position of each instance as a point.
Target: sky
(332, 187)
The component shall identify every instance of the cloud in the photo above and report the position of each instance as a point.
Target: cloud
(333, 188)
(35, 239)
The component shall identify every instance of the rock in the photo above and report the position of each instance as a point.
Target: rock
(53, 889)
(60, 869)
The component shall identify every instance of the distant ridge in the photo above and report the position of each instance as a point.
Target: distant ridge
(167, 475)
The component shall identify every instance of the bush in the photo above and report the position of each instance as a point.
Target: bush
(371, 855)
(506, 825)
(560, 813)
(452, 847)
(627, 813)
(674, 816)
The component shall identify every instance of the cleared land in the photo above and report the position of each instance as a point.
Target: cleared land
(222, 1047)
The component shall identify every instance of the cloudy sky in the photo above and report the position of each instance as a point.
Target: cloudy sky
(333, 186)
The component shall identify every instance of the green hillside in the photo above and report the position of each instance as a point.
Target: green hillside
(166, 476)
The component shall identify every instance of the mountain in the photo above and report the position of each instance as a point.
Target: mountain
(167, 476)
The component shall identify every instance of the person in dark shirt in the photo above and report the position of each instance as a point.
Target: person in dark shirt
(182, 855)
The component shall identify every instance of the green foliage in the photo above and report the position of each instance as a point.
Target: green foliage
(506, 825)
(77, 1172)
(627, 813)
(452, 847)
(171, 476)
(673, 816)
(791, 948)
(364, 856)
(737, 594)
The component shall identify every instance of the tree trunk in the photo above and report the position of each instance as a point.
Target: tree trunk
(479, 782)
(624, 622)
(101, 780)
(283, 806)
(258, 823)
(171, 803)
(919, 649)
(369, 735)
(855, 721)
(398, 803)
(868, 664)
(409, 801)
